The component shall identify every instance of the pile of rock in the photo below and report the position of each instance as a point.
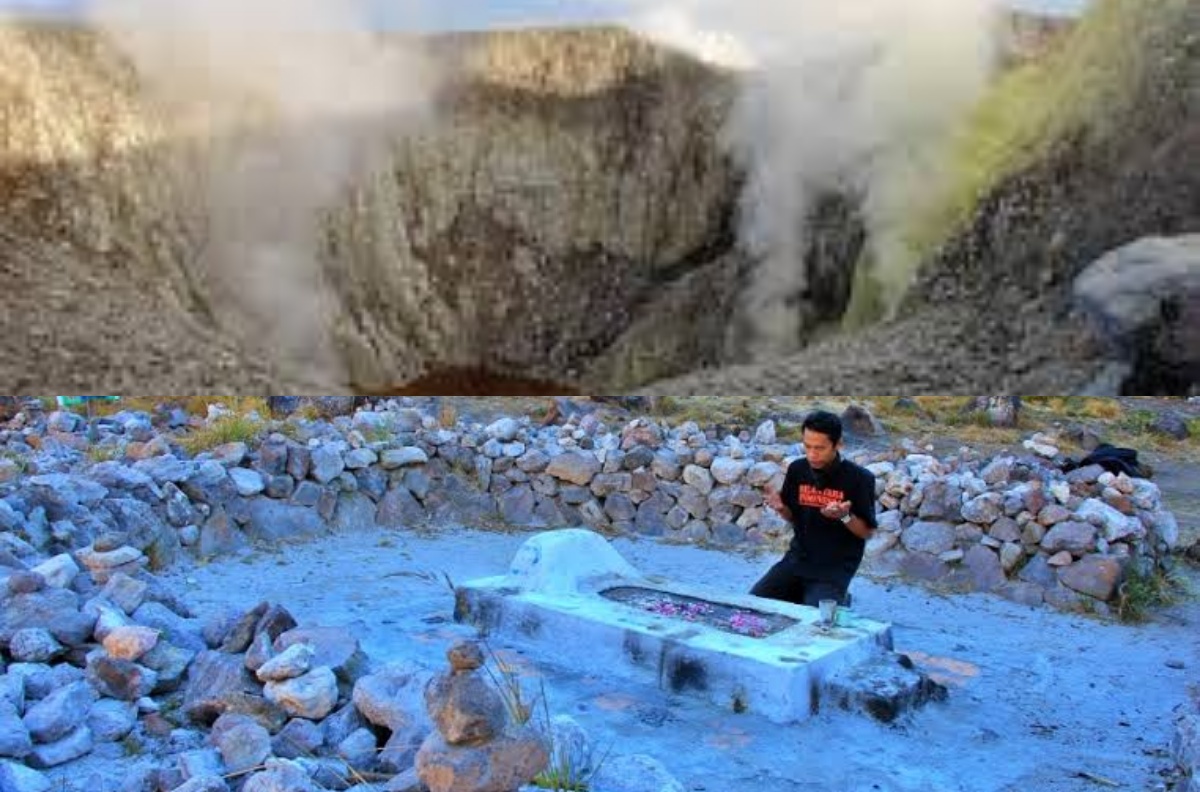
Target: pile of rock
(91, 671)
(475, 748)
(1016, 525)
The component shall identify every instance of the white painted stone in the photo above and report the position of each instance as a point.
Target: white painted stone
(558, 562)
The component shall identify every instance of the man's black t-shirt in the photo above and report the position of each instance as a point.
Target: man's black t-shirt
(825, 549)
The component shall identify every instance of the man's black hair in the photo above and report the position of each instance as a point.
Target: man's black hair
(824, 422)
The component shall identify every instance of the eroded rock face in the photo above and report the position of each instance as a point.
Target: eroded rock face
(1002, 277)
(566, 177)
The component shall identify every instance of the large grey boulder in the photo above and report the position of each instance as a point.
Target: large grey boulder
(1143, 301)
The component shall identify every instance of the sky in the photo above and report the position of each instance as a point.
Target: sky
(476, 14)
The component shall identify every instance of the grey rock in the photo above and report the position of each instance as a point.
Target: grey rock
(18, 778)
(636, 458)
(1076, 537)
(125, 592)
(727, 534)
(1005, 529)
(312, 695)
(56, 610)
(418, 482)
(399, 509)
(517, 505)
(59, 571)
(605, 484)
(272, 459)
(359, 749)
(393, 697)
(574, 467)
(219, 535)
(299, 462)
(928, 537)
(166, 469)
(942, 500)
(200, 762)
(360, 458)
(34, 645)
(327, 464)
(25, 582)
(288, 664)
(984, 509)
(726, 470)
(230, 454)
(110, 720)
(1140, 299)
(247, 482)
(209, 483)
(204, 783)
(282, 775)
(120, 679)
(242, 742)
(1039, 572)
(39, 680)
(273, 520)
(403, 457)
(355, 512)
(180, 511)
(1115, 525)
(215, 677)
(984, 567)
(533, 461)
(372, 481)
(76, 744)
(998, 471)
(699, 478)
(1022, 593)
(15, 740)
(282, 487)
(58, 492)
(340, 724)
(298, 738)
(1088, 474)
(169, 663)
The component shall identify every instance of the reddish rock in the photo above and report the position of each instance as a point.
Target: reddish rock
(1094, 575)
(507, 763)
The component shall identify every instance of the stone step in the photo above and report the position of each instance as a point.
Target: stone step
(884, 686)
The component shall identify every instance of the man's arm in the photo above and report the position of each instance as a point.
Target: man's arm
(774, 500)
(862, 509)
(860, 527)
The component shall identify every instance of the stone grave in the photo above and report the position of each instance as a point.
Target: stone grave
(573, 601)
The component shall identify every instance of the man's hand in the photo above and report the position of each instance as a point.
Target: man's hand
(836, 511)
(774, 502)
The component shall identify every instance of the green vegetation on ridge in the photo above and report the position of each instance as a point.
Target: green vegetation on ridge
(1087, 90)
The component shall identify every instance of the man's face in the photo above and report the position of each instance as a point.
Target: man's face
(819, 450)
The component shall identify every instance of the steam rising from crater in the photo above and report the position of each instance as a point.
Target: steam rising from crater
(293, 100)
(853, 95)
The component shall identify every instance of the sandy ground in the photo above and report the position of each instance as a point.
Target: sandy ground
(1038, 699)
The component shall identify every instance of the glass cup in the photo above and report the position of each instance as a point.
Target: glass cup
(829, 608)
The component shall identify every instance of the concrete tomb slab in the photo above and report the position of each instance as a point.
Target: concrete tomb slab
(576, 603)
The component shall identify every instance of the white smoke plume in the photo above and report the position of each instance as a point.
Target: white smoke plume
(852, 94)
(291, 101)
